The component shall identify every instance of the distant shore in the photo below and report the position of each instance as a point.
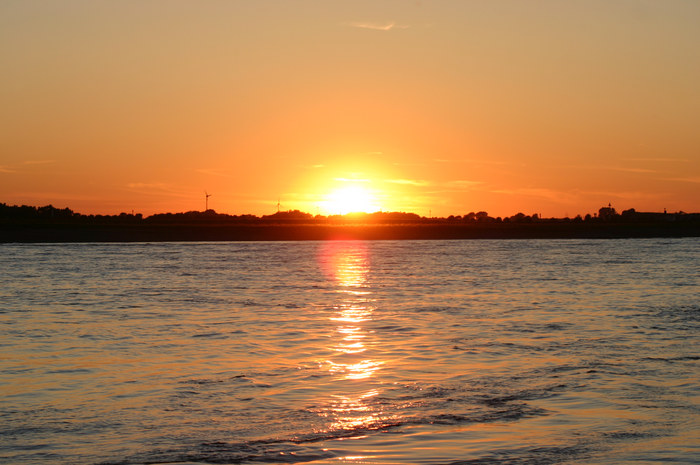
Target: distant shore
(67, 232)
(27, 224)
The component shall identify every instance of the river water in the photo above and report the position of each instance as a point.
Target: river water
(425, 352)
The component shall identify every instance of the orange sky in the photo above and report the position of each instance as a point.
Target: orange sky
(428, 106)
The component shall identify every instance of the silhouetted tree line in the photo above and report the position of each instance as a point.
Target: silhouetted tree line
(27, 212)
(49, 213)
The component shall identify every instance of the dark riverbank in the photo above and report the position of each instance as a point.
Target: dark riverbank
(28, 232)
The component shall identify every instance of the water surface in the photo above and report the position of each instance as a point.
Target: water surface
(431, 352)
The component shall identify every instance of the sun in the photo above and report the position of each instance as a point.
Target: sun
(351, 199)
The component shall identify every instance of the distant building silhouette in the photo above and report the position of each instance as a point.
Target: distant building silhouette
(607, 213)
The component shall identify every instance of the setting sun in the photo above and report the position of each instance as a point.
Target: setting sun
(352, 199)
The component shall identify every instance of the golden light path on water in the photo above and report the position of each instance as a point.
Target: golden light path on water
(347, 263)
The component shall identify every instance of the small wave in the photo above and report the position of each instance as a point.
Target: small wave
(231, 453)
(530, 456)
(205, 381)
(394, 328)
(211, 335)
(511, 413)
(242, 383)
(439, 309)
(69, 371)
(686, 358)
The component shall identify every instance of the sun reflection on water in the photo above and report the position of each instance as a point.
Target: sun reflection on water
(351, 335)
(354, 369)
(348, 264)
(353, 412)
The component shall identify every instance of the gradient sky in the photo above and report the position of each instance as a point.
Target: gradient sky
(551, 107)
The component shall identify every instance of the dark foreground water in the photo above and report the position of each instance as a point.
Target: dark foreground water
(436, 352)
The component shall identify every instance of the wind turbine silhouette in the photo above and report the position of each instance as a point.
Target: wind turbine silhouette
(206, 201)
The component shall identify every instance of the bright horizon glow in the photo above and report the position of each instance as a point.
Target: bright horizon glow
(350, 199)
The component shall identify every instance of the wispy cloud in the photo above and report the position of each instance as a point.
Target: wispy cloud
(407, 164)
(351, 180)
(462, 184)
(693, 179)
(624, 169)
(544, 193)
(388, 26)
(451, 187)
(46, 197)
(659, 159)
(625, 195)
(630, 169)
(7, 169)
(212, 172)
(409, 182)
(458, 185)
(475, 161)
(148, 185)
(158, 188)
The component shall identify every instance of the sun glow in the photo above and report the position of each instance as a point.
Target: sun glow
(351, 199)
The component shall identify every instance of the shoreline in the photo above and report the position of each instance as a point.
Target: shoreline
(67, 232)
